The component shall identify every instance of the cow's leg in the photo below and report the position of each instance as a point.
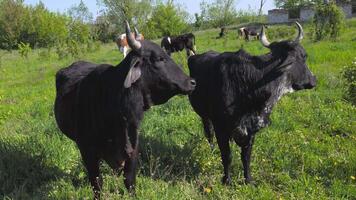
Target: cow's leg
(130, 171)
(208, 131)
(132, 155)
(91, 163)
(246, 150)
(223, 142)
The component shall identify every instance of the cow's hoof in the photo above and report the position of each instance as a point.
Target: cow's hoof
(250, 182)
(132, 190)
(226, 180)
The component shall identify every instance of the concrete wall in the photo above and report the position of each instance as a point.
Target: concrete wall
(306, 14)
(277, 16)
(347, 8)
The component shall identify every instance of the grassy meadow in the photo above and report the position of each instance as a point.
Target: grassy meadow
(308, 152)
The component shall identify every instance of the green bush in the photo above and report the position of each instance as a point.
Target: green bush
(165, 20)
(24, 49)
(328, 21)
(349, 76)
(37, 26)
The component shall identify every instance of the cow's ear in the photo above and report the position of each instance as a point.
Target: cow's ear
(134, 73)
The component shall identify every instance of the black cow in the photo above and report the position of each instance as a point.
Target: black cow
(236, 92)
(175, 44)
(100, 107)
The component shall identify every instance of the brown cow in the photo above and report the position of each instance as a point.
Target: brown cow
(122, 44)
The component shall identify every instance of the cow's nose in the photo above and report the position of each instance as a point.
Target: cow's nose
(193, 83)
(313, 81)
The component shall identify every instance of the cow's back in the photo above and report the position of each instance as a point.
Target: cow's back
(67, 81)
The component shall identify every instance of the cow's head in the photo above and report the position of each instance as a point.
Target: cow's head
(159, 74)
(294, 58)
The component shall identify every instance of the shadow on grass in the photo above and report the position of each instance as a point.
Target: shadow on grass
(22, 174)
(166, 160)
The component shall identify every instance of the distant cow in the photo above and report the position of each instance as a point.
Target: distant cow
(100, 106)
(122, 44)
(175, 44)
(247, 32)
(222, 32)
(236, 92)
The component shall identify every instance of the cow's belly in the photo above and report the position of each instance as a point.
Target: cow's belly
(64, 110)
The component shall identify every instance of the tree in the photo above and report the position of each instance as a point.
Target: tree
(198, 20)
(80, 12)
(137, 12)
(167, 20)
(290, 4)
(219, 13)
(262, 3)
(12, 17)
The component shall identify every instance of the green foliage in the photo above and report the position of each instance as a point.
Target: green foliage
(136, 11)
(328, 21)
(80, 12)
(37, 26)
(349, 76)
(24, 49)
(198, 20)
(166, 20)
(219, 13)
(103, 29)
(292, 4)
(12, 17)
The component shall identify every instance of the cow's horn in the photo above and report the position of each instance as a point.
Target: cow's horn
(136, 32)
(133, 43)
(263, 38)
(300, 32)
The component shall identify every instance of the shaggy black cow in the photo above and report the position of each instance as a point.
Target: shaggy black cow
(175, 44)
(236, 92)
(100, 107)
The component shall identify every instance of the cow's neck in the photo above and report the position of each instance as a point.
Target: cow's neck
(269, 88)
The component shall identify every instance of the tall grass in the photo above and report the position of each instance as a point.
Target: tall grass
(308, 152)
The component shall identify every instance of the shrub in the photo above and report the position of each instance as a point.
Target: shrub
(165, 20)
(328, 21)
(24, 49)
(349, 76)
(61, 50)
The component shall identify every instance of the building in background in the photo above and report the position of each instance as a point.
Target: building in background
(304, 14)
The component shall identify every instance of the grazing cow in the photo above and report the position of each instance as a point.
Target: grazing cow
(175, 44)
(222, 33)
(100, 107)
(122, 44)
(247, 32)
(236, 92)
(241, 32)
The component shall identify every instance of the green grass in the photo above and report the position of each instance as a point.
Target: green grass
(309, 151)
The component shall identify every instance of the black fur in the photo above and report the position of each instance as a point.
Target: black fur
(236, 92)
(94, 109)
(178, 43)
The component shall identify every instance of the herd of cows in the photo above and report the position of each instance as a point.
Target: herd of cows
(100, 106)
